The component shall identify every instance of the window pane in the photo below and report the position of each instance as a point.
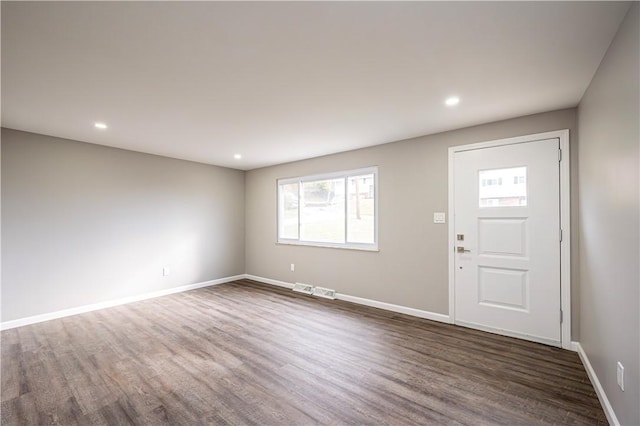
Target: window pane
(322, 211)
(503, 187)
(361, 209)
(288, 206)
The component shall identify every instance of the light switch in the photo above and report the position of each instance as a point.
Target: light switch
(439, 217)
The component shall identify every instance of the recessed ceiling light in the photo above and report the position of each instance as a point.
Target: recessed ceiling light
(100, 126)
(454, 100)
(237, 156)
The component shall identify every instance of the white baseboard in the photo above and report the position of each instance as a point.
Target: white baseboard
(268, 281)
(367, 302)
(395, 308)
(110, 303)
(602, 396)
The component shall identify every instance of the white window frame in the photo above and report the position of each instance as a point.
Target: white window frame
(328, 176)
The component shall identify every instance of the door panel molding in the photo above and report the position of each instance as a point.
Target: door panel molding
(565, 225)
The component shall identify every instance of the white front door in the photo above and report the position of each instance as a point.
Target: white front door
(507, 240)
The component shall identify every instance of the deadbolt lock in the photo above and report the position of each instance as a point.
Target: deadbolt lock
(460, 237)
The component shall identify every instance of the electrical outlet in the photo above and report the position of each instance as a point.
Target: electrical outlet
(439, 217)
(293, 267)
(166, 271)
(620, 375)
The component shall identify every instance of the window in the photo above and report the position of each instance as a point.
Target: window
(332, 210)
(492, 192)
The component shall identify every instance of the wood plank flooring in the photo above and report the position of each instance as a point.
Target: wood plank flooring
(245, 353)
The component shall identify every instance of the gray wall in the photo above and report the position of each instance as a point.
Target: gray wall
(84, 223)
(411, 267)
(608, 117)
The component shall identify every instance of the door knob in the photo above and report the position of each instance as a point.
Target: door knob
(462, 250)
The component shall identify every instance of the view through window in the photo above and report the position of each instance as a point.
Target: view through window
(503, 187)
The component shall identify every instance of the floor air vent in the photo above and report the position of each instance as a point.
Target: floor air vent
(303, 288)
(327, 293)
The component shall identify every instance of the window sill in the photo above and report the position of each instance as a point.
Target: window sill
(329, 245)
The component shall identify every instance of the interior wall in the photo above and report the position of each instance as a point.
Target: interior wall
(608, 118)
(83, 223)
(411, 268)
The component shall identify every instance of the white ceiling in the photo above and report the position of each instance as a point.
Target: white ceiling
(278, 82)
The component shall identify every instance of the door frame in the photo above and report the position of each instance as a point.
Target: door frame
(565, 221)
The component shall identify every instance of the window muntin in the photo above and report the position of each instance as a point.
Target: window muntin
(502, 187)
(334, 210)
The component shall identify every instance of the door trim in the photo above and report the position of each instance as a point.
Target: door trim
(565, 222)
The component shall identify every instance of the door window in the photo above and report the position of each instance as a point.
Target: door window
(502, 187)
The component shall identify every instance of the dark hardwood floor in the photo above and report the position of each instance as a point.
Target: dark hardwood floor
(249, 354)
